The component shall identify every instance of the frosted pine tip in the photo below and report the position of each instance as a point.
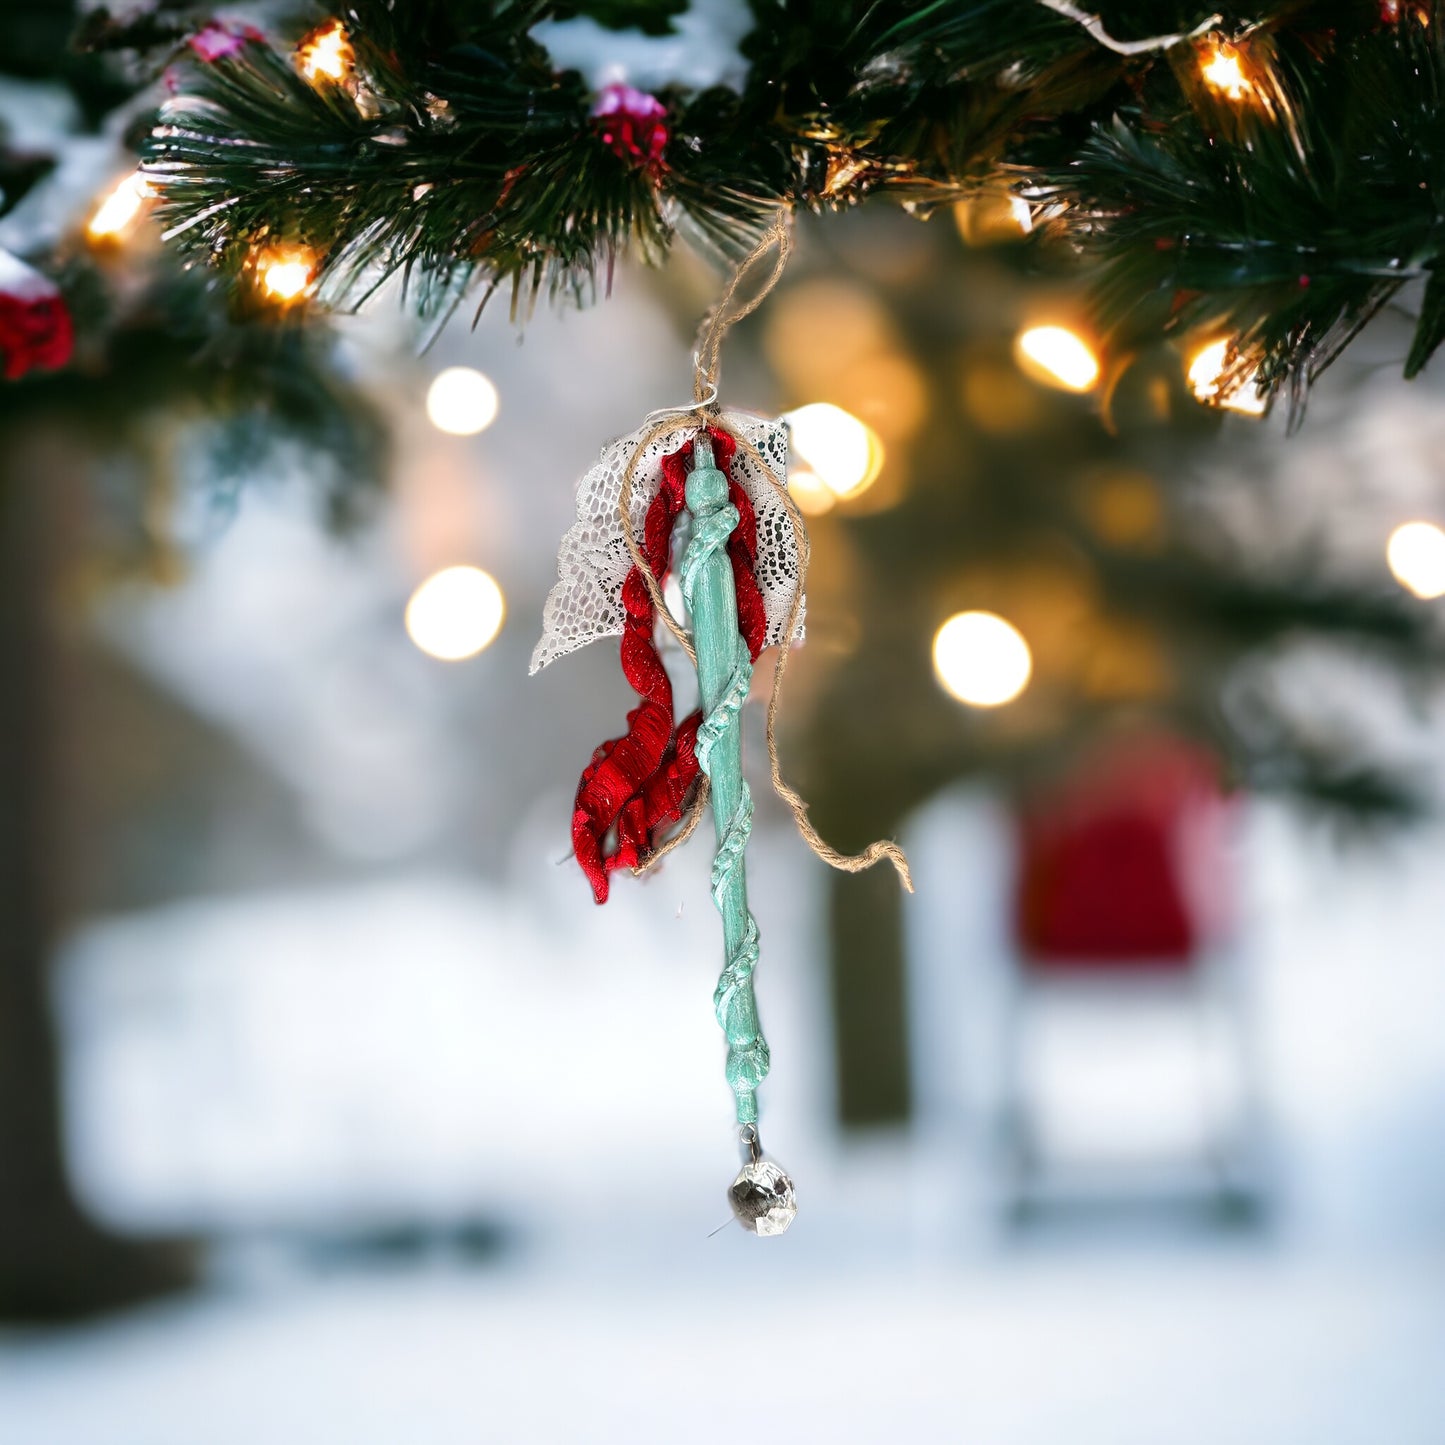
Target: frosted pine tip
(702, 459)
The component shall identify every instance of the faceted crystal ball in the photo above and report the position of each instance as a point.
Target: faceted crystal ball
(762, 1198)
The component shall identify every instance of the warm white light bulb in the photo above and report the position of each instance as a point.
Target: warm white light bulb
(841, 451)
(286, 275)
(116, 212)
(981, 659)
(1206, 371)
(1207, 367)
(455, 613)
(1223, 72)
(461, 401)
(812, 494)
(1416, 554)
(326, 53)
(1056, 355)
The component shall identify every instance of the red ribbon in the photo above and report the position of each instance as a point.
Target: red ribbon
(639, 783)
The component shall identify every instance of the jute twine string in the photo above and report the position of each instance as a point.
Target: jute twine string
(708, 360)
(884, 847)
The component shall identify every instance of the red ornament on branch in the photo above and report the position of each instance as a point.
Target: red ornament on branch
(35, 325)
(219, 40)
(633, 125)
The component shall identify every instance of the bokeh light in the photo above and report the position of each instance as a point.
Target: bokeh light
(326, 53)
(461, 401)
(1058, 356)
(285, 275)
(981, 659)
(992, 215)
(810, 492)
(1416, 554)
(997, 400)
(118, 211)
(1222, 72)
(844, 453)
(455, 613)
(1125, 507)
(1206, 376)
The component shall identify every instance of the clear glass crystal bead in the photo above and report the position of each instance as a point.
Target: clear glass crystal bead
(762, 1197)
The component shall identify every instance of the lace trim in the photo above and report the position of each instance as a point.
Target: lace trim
(586, 602)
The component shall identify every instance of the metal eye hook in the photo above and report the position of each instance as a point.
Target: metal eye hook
(751, 1142)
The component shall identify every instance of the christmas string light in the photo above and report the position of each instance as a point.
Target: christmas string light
(1223, 72)
(118, 211)
(812, 494)
(993, 214)
(326, 53)
(843, 453)
(455, 613)
(981, 659)
(1058, 356)
(1416, 557)
(461, 401)
(285, 274)
(1207, 372)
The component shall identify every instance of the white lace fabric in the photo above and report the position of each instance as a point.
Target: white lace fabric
(586, 601)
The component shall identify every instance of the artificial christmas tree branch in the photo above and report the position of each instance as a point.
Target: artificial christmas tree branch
(1267, 175)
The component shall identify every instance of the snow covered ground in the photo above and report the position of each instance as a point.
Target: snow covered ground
(484, 1057)
(1196, 1350)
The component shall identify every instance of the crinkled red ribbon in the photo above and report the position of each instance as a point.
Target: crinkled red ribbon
(640, 781)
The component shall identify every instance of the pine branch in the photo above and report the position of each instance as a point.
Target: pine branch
(455, 154)
(1279, 213)
(1284, 222)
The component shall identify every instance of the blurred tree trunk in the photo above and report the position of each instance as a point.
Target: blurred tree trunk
(32, 1181)
(870, 1017)
(54, 1263)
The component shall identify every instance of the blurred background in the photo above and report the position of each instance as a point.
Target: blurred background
(331, 1107)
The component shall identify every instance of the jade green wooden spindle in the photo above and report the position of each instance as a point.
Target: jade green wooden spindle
(724, 673)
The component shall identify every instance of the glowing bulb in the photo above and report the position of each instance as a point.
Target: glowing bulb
(841, 451)
(1416, 554)
(812, 494)
(326, 53)
(980, 659)
(455, 613)
(991, 214)
(1058, 356)
(1205, 375)
(461, 401)
(286, 275)
(116, 212)
(1223, 72)
(1206, 368)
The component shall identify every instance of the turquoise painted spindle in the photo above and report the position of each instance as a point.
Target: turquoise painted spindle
(725, 673)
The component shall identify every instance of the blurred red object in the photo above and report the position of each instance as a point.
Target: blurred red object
(1125, 866)
(633, 125)
(35, 325)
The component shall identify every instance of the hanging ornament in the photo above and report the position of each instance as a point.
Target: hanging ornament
(35, 324)
(719, 478)
(636, 785)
